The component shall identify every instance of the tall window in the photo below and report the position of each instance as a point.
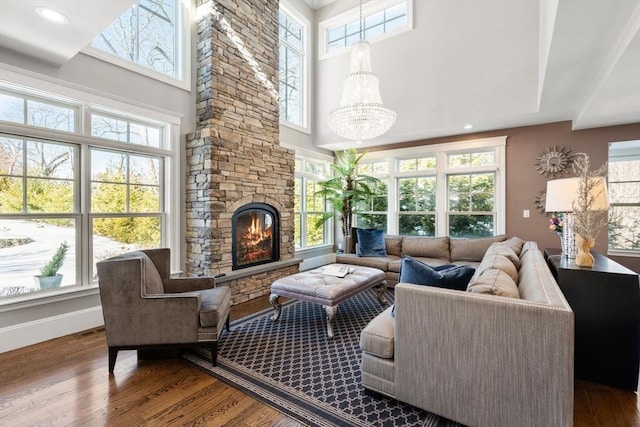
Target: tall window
(373, 213)
(379, 19)
(309, 207)
(624, 197)
(471, 196)
(417, 196)
(291, 68)
(46, 201)
(148, 34)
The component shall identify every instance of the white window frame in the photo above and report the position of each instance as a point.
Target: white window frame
(351, 15)
(183, 45)
(303, 156)
(630, 153)
(497, 144)
(297, 17)
(25, 83)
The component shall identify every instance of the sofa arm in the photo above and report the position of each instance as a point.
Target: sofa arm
(483, 360)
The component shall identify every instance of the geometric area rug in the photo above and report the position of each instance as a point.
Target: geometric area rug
(292, 366)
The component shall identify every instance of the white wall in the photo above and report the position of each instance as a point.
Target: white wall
(412, 82)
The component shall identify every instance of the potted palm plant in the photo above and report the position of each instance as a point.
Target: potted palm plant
(347, 190)
(49, 277)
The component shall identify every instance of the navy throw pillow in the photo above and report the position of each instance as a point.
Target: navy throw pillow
(371, 243)
(449, 276)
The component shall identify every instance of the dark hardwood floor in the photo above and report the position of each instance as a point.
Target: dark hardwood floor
(64, 382)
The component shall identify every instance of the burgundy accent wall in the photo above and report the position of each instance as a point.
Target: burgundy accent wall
(524, 144)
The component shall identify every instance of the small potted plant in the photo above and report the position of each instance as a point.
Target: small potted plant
(49, 277)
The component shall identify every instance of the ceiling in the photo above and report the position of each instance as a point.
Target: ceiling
(577, 60)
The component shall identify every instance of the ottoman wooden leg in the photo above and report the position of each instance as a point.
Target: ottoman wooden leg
(331, 314)
(273, 299)
(382, 288)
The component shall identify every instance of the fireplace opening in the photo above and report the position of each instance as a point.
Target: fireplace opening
(256, 236)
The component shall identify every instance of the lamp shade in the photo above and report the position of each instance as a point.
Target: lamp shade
(562, 194)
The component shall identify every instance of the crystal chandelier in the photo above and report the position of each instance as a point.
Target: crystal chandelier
(361, 114)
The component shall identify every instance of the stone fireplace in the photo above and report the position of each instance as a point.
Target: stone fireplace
(234, 158)
(255, 235)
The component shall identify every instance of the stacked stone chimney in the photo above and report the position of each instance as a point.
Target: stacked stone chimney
(234, 156)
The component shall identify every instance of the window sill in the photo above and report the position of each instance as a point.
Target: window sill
(34, 299)
(624, 253)
(302, 129)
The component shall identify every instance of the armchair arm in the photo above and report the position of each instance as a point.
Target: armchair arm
(484, 360)
(186, 284)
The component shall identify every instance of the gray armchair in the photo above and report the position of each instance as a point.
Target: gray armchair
(144, 308)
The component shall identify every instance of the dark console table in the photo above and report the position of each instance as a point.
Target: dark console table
(605, 300)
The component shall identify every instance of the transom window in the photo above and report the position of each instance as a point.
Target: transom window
(125, 130)
(34, 111)
(292, 57)
(379, 19)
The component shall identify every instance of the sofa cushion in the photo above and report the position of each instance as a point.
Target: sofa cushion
(371, 243)
(430, 247)
(514, 243)
(214, 305)
(500, 262)
(381, 263)
(472, 249)
(377, 338)
(506, 251)
(494, 282)
(394, 245)
(445, 276)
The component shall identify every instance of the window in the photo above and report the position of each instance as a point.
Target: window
(123, 129)
(45, 199)
(33, 111)
(379, 19)
(150, 34)
(624, 197)
(439, 190)
(309, 208)
(292, 36)
(373, 213)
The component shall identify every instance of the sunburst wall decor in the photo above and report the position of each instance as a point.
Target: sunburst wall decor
(554, 161)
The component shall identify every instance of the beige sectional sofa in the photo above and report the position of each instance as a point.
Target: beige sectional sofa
(477, 358)
(433, 251)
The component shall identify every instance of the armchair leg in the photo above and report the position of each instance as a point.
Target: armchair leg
(214, 353)
(113, 354)
(226, 325)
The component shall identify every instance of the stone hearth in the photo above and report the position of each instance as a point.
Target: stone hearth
(234, 157)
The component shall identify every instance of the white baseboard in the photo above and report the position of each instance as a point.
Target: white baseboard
(25, 334)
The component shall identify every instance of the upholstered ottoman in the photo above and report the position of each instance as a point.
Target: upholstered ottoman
(327, 290)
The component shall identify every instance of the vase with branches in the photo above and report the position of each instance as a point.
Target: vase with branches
(347, 190)
(589, 207)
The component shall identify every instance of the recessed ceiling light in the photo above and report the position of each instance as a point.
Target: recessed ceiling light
(468, 126)
(52, 15)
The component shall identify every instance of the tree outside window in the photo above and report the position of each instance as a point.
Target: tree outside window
(146, 34)
(471, 199)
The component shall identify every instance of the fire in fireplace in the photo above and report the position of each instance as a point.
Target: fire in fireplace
(256, 236)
